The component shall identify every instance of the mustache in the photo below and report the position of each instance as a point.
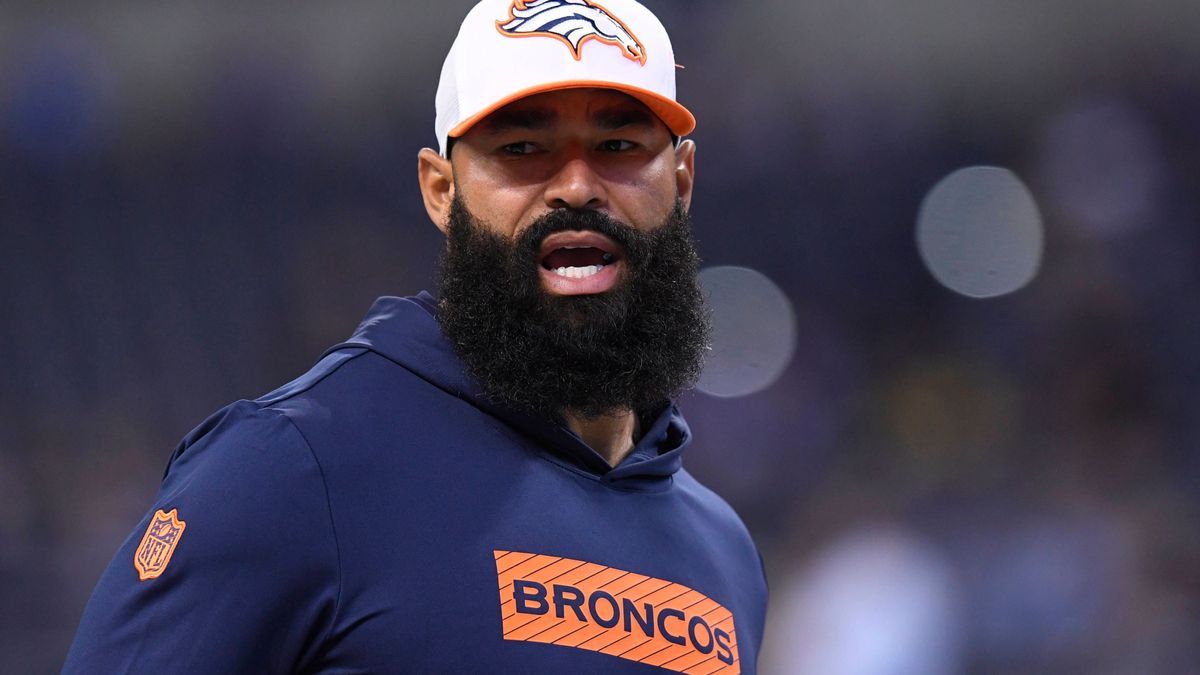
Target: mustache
(628, 237)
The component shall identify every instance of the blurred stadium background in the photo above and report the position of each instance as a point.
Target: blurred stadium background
(197, 198)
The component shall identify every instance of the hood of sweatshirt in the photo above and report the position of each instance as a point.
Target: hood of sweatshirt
(406, 331)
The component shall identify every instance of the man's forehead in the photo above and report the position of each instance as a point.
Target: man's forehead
(606, 108)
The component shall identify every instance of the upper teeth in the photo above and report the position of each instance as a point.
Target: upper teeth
(578, 272)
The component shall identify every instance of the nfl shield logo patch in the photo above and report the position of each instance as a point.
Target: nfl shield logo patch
(159, 542)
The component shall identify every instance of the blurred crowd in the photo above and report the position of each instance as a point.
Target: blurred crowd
(194, 203)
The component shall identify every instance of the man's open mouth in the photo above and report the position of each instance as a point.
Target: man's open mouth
(579, 262)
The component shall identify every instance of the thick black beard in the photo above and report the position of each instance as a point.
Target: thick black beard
(635, 347)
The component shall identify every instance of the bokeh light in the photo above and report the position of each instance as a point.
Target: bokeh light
(1102, 167)
(877, 600)
(754, 331)
(979, 232)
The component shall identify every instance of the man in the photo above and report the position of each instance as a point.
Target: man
(491, 481)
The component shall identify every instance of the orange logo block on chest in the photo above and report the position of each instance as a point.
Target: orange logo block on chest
(574, 603)
(158, 544)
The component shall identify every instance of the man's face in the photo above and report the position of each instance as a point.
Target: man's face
(588, 149)
(569, 279)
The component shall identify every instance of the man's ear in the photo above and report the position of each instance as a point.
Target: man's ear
(685, 172)
(435, 174)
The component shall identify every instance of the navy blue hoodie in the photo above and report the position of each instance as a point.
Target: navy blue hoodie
(377, 515)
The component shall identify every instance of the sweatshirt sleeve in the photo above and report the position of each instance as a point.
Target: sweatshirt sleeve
(233, 570)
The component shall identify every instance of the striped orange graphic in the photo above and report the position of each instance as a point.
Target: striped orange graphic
(574, 603)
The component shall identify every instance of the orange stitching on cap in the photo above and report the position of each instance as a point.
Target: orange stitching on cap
(158, 544)
(576, 50)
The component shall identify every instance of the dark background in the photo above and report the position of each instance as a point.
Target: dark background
(197, 198)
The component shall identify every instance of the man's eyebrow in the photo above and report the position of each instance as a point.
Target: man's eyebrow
(532, 119)
(619, 118)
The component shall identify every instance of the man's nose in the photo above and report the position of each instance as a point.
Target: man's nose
(576, 185)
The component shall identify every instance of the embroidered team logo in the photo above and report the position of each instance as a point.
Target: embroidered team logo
(572, 21)
(159, 542)
(573, 603)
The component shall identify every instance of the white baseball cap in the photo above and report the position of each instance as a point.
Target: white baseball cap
(509, 49)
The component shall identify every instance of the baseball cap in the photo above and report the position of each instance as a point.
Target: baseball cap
(510, 49)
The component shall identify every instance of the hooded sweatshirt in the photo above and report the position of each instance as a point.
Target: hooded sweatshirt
(379, 515)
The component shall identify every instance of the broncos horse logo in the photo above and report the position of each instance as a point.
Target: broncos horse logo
(572, 21)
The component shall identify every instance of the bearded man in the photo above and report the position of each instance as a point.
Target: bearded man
(489, 481)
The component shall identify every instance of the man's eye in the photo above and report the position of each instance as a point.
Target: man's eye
(522, 148)
(616, 146)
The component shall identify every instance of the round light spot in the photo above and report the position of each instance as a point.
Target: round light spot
(754, 332)
(979, 232)
(1103, 168)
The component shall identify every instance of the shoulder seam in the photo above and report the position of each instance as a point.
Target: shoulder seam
(264, 402)
(337, 548)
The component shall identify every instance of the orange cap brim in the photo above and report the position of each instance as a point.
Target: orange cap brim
(678, 119)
